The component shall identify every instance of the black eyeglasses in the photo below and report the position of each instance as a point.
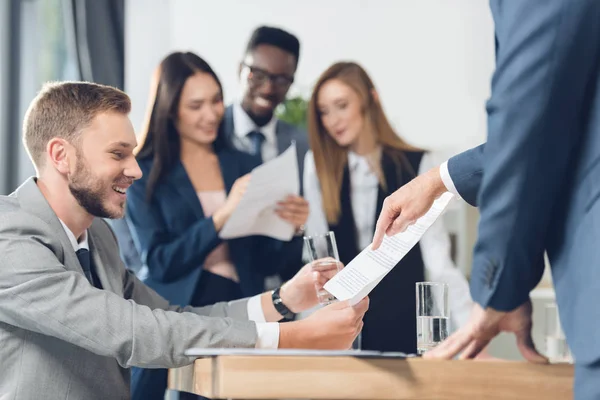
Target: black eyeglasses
(259, 76)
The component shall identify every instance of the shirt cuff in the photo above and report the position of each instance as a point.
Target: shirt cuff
(268, 335)
(267, 332)
(255, 311)
(447, 180)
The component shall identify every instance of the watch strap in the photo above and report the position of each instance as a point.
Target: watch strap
(280, 307)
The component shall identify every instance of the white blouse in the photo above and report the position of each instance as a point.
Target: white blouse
(435, 243)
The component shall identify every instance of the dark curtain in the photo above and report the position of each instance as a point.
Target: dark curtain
(99, 38)
(10, 125)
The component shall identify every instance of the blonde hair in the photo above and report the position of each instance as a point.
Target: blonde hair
(63, 110)
(330, 158)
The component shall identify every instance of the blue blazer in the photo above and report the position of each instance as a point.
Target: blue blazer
(537, 179)
(174, 237)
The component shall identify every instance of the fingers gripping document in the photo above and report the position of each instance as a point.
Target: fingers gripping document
(367, 269)
(270, 183)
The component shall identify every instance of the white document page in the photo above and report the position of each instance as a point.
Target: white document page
(367, 269)
(271, 182)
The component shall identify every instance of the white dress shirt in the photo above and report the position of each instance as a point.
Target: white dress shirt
(435, 243)
(243, 125)
(268, 332)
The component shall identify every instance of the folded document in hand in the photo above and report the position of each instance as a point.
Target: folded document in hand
(367, 269)
(271, 182)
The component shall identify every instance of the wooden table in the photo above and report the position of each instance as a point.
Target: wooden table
(281, 377)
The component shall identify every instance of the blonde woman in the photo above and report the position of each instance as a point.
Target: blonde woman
(356, 161)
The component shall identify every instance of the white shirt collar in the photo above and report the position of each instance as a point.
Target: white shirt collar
(83, 241)
(359, 162)
(243, 124)
(356, 161)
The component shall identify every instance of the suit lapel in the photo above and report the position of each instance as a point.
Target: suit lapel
(283, 137)
(100, 264)
(228, 124)
(180, 182)
(34, 202)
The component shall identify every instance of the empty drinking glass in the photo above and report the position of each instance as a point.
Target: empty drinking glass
(432, 315)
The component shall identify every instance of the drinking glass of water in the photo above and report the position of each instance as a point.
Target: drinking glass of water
(324, 257)
(432, 315)
(557, 349)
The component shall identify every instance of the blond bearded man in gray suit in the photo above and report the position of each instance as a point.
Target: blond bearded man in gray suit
(72, 318)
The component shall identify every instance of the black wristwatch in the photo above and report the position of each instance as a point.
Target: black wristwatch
(280, 307)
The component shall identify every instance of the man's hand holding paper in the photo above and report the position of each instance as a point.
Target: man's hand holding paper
(363, 273)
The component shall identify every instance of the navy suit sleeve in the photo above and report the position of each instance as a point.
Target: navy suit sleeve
(466, 171)
(169, 257)
(547, 56)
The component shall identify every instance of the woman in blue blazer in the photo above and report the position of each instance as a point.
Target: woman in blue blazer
(191, 185)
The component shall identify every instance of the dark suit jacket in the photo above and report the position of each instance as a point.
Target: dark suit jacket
(537, 179)
(174, 237)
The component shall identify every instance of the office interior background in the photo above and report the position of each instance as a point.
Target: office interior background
(431, 60)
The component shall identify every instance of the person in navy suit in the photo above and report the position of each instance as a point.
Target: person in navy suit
(536, 182)
(192, 182)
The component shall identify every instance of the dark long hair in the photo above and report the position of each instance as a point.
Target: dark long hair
(159, 138)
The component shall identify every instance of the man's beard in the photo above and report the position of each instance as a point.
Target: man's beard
(90, 193)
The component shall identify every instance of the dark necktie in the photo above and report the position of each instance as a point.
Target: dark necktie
(86, 264)
(256, 138)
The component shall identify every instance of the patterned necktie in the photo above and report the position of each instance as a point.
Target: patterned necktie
(86, 264)
(257, 138)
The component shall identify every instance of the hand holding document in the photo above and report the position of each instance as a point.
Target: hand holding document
(367, 269)
(255, 213)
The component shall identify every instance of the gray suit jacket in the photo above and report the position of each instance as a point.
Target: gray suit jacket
(61, 338)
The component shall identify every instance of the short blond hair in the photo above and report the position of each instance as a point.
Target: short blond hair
(63, 110)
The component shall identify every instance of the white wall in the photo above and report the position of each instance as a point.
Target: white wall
(430, 59)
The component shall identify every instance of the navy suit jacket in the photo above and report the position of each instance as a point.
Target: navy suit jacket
(537, 179)
(173, 236)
